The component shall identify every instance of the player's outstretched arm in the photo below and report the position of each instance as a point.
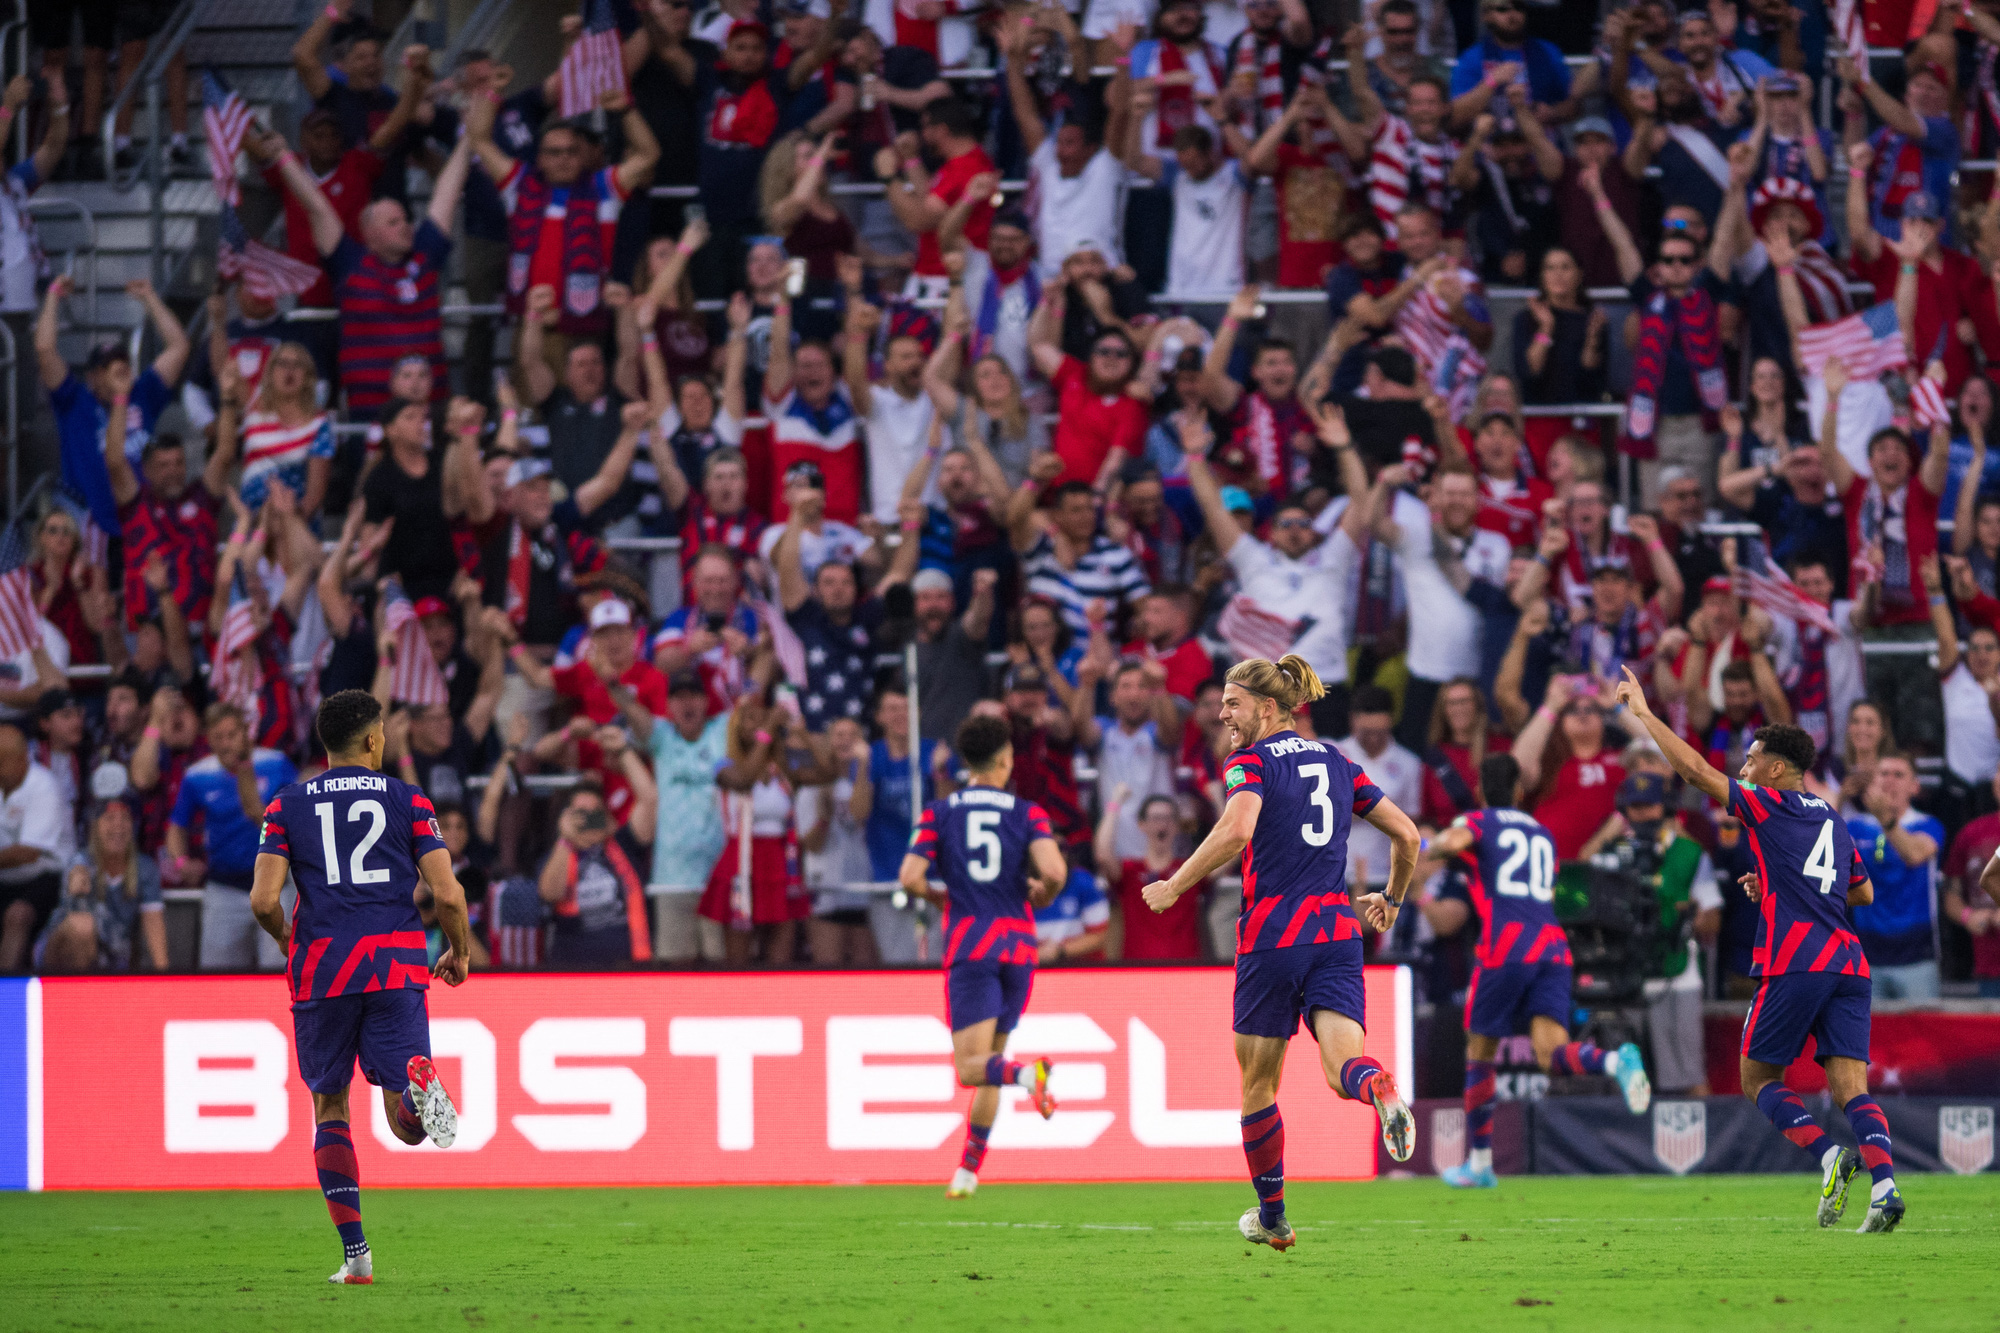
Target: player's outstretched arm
(1687, 762)
(265, 889)
(1404, 844)
(449, 894)
(1224, 843)
(1051, 871)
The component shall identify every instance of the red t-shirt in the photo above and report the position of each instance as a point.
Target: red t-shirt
(1943, 295)
(1513, 509)
(1172, 934)
(1920, 518)
(1188, 665)
(1090, 425)
(1578, 800)
(580, 683)
(949, 185)
(1309, 194)
(348, 187)
(1970, 851)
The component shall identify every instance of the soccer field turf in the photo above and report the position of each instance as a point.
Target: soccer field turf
(1598, 1252)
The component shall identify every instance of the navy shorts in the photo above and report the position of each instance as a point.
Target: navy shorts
(1276, 987)
(384, 1027)
(1502, 1000)
(976, 989)
(1829, 1007)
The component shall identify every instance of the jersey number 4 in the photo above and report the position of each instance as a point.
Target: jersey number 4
(1539, 855)
(1820, 865)
(360, 873)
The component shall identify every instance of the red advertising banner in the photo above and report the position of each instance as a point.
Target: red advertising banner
(1917, 1052)
(656, 1079)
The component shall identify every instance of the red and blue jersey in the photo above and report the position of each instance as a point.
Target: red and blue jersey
(1510, 872)
(1806, 863)
(1295, 868)
(354, 837)
(977, 842)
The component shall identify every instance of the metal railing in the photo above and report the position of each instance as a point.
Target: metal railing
(160, 52)
(15, 32)
(53, 206)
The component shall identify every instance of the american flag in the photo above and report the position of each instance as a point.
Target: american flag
(1251, 631)
(417, 679)
(233, 675)
(517, 930)
(1927, 402)
(1847, 21)
(1765, 583)
(595, 64)
(265, 272)
(20, 621)
(224, 118)
(1868, 344)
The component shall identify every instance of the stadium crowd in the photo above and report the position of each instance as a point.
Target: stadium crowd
(1227, 378)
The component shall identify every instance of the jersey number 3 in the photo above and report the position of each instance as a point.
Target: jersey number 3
(1321, 836)
(360, 873)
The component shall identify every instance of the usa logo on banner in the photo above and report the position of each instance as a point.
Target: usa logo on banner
(1680, 1135)
(1965, 1138)
(1447, 1137)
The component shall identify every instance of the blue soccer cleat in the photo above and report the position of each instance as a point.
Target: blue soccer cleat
(1833, 1185)
(1632, 1080)
(1883, 1213)
(1463, 1177)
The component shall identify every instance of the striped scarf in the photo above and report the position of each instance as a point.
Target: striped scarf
(987, 323)
(1403, 168)
(1883, 521)
(1822, 284)
(583, 243)
(1179, 104)
(1984, 56)
(1266, 58)
(1692, 319)
(1446, 356)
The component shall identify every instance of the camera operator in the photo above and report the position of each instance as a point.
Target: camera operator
(1650, 844)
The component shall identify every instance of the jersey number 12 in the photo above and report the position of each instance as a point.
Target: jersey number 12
(359, 872)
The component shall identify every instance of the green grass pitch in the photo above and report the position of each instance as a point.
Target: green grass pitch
(1644, 1253)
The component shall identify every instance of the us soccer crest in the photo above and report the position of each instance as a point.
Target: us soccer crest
(1680, 1135)
(1447, 1137)
(1965, 1138)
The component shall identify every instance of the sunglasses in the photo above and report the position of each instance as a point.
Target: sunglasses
(1504, 9)
(1112, 350)
(1678, 261)
(1399, 32)
(1294, 523)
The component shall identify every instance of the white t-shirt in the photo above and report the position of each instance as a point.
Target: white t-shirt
(1864, 409)
(17, 245)
(834, 541)
(1137, 760)
(1315, 587)
(36, 814)
(1400, 775)
(898, 430)
(1444, 627)
(1225, 19)
(1206, 257)
(1069, 210)
(1971, 743)
(18, 671)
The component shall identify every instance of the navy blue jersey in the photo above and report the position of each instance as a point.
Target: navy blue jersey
(354, 837)
(1510, 871)
(1806, 863)
(977, 843)
(1295, 868)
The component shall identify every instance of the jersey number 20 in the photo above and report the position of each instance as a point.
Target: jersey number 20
(360, 873)
(1540, 856)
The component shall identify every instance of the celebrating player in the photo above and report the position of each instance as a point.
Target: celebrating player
(985, 843)
(1522, 974)
(355, 842)
(1814, 974)
(1289, 805)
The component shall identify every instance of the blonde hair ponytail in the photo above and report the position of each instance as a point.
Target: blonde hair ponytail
(1288, 682)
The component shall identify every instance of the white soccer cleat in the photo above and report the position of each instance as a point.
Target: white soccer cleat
(1280, 1237)
(963, 1184)
(434, 1106)
(1834, 1180)
(358, 1271)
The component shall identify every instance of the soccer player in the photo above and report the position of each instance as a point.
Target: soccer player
(356, 841)
(1814, 976)
(987, 845)
(1289, 805)
(1521, 976)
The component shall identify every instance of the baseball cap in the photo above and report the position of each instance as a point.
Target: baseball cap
(608, 612)
(1642, 789)
(54, 702)
(931, 580)
(1026, 676)
(1503, 418)
(106, 352)
(1718, 583)
(1922, 206)
(747, 25)
(685, 682)
(1591, 125)
(1237, 500)
(526, 470)
(1780, 82)
(805, 473)
(432, 606)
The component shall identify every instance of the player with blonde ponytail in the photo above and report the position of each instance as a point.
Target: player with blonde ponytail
(1289, 805)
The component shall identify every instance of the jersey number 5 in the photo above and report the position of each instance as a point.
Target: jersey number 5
(1321, 836)
(1820, 865)
(980, 838)
(1540, 856)
(359, 872)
